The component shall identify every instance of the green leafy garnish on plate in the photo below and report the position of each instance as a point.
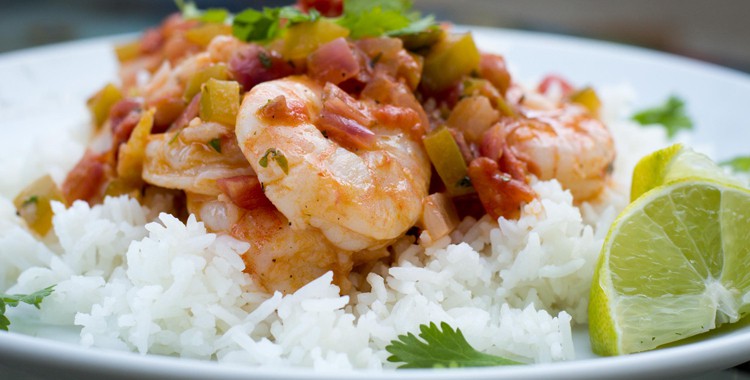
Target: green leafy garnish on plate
(7, 300)
(446, 348)
(671, 115)
(368, 18)
(738, 164)
(191, 12)
(363, 18)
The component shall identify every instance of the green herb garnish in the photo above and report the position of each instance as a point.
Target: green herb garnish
(31, 200)
(191, 12)
(372, 18)
(439, 349)
(254, 25)
(294, 16)
(671, 115)
(265, 60)
(363, 18)
(275, 155)
(738, 164)
(13, 300)
(216, 144)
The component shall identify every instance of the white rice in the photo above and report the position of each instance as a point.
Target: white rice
(129, 280)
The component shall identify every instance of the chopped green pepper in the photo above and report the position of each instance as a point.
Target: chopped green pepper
(220, 101)
(448, 161)
(449, 60)
(203, 35)
(304, 38)
(102, 102)
(130, 156)
(33, 204)
(194, 83)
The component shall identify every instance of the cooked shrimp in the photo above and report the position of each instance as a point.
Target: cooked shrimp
(280, 258)
(360, 198)
(563, 142)
(194, 158)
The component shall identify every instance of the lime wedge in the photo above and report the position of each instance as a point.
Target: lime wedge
(672, 266)
(672, 164)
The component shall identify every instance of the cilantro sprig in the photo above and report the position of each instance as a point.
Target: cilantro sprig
(363, 18)
(367, 18)
(446, 348)
(7, 300)
(671, 115)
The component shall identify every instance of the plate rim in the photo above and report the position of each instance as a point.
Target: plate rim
(76, 355)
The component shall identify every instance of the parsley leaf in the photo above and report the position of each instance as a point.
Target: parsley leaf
(439, 349)
(372, 18)
(13, 300)
(671, 115)
(738, 164)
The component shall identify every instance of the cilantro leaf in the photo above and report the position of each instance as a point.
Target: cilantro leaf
(671, 115)
(738, 164)
(216, 144)
(252, 25)
(439, 349)
(13, 300)
(191, 12)
(295, 16)
(372, 18)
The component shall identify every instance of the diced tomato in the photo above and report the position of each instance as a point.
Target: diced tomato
(280, 111)
(244, 191)
(123, 117)
(500, 193)
(493, 68)
(553, 81)
(86, 180)
(189, 113)
(328, 8)
(402, 118)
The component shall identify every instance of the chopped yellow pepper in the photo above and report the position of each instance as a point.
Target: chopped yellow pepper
(128, 51)
(33, 204)
(102, 102)
(448, 161)
(588, 98)
(203, 35)
(304, 38)
(220, 101)
(117, 187)
(450, 60)
(130, 156)
(194, 83)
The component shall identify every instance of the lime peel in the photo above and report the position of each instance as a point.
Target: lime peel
(671, 264)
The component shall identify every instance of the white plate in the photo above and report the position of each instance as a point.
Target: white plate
(64, 75)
